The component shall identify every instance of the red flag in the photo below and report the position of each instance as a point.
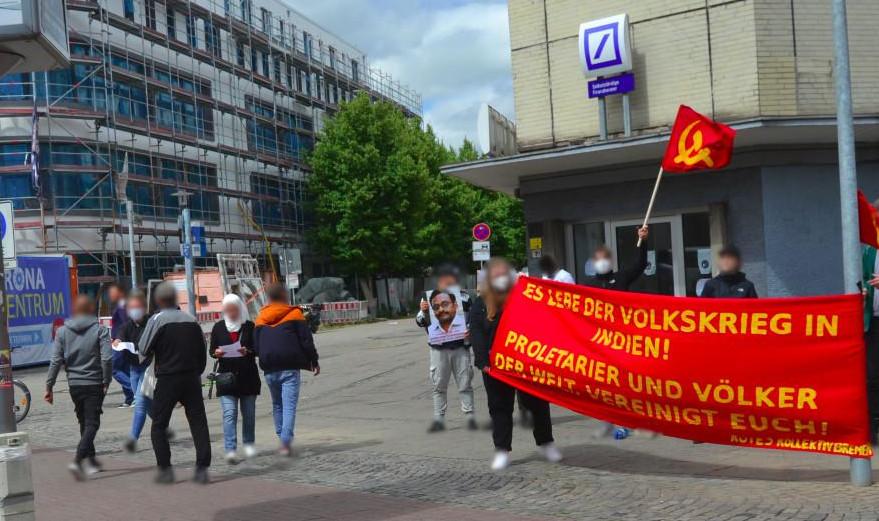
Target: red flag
(868, 218)
(697, 143)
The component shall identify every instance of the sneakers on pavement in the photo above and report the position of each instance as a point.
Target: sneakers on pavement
(125, 405)
(130, 445)
(165, 476)
(201, 476)
(250, 451)
(232, 458)
(284, 451)
(436, 426)
(92, 466)
(550, 452)
(501, 460)
(77, 471)
(471, 423)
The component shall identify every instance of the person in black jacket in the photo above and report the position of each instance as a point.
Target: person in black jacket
(232, 346)
(125, 343)
(174, 341)
(485, 314)
(606, 278)
(285, 346)
(730, 282)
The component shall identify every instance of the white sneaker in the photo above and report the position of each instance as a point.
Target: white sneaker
(250, 451)
(550, 452)
(501, 460)
(232, 457)
(89, 469)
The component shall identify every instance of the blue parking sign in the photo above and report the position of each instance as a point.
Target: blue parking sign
(604, 46)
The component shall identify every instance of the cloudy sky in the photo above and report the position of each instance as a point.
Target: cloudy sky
(455, 52)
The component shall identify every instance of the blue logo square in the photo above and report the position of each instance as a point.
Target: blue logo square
(601, 47)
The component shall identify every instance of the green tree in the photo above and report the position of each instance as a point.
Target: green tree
(382, 206)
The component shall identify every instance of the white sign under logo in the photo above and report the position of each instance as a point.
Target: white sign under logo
(7, 227)
(481, 251)
(605, 48)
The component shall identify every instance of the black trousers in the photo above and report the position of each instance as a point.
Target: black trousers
(87, 403)
(872, 341)
(501, 400)
(186, 389)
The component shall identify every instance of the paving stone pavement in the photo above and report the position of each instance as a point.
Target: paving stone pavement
(361, 429)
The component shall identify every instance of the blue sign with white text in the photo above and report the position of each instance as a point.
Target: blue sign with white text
(609, 86)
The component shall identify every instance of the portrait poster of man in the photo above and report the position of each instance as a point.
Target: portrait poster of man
(447, 321)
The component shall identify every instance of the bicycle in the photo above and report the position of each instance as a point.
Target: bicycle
(21, 400)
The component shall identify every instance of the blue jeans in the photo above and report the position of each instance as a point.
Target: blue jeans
(141, 402)
(230, 406)
(284, 386)
(121, 369)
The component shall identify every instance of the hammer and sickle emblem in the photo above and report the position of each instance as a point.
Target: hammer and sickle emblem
(694, 153)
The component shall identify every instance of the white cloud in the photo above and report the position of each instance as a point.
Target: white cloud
(456, 53)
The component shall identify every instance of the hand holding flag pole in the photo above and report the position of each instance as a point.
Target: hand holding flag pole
(696, 143)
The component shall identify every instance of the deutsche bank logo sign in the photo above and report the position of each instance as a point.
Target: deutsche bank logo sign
(604, 46)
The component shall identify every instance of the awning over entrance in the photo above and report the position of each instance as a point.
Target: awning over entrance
(505, 174)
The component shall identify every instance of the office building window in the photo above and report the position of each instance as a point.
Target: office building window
(191, 35)
(332, 58)
(239, 54)
(171, 22)
(266, 16)
(150, 13)
(128, 9)
(355, 70)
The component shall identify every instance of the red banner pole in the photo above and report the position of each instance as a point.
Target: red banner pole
(652, 200)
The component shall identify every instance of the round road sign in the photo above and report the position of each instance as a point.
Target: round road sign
(482, 232)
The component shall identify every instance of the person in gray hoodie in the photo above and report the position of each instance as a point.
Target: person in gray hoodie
(83, 347)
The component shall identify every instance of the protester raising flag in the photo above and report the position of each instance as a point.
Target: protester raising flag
(696, 143)
(868, 217)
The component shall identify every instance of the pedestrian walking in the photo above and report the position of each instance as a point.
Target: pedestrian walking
(121, 363)
(606, 278)
(237, 377)
(173, 340)
(126, 342)
(285, 346)
(550, 270)
(82, 347)
(484, 318)
(448, 359)
(730, 281)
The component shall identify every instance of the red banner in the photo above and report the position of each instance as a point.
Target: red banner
(768, 373)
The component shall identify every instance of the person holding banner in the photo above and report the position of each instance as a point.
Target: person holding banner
(730, 282)
(237, 379)
(871, 335)
(485, 315)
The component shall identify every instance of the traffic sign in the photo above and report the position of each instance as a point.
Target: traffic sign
(481, 251)
(7, 233)
(482, 232)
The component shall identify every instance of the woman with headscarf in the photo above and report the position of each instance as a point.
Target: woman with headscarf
(237, 379)
(485, 314)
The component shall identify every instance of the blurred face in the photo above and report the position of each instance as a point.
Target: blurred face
(135, 309)
(115, 294)
(729, 264)
(603, 262)
(83, 306)
(232, 312)
(500, 278)
(445, 282)
(444, 309)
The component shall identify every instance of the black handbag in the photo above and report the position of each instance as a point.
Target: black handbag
(227, 383)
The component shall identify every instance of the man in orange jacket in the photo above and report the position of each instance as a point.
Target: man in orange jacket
(284, 344)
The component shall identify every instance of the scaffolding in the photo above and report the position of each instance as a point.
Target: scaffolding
(205, 96)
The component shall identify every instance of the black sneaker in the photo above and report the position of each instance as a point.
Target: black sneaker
(471, 424)
(130, 445)
(165, 476)
(436, 426)
(75, 468)
(201, 476)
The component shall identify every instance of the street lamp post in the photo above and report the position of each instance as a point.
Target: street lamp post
(860, 470)
(183, 199)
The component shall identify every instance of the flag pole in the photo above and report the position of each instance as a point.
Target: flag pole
(652, 200)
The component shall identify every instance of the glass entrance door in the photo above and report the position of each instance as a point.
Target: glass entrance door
(664, 274)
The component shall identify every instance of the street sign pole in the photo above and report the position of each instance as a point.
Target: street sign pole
(860, 470)
(129, 210)
(7, 415)
(187, 260)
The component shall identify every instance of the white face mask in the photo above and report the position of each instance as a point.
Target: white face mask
(135, 314)
(502, 283)
(454, 288)
(602, 266)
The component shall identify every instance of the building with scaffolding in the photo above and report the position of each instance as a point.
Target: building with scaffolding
(221, 99)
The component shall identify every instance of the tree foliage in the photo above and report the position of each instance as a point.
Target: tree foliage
(381, 204)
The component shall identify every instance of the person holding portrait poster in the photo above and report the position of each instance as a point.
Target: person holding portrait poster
(444, 315)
